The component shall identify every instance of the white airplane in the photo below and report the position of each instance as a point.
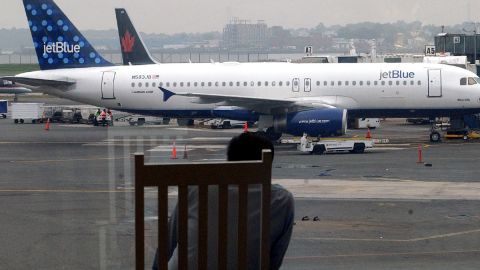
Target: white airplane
(7, 87)
(284, 97)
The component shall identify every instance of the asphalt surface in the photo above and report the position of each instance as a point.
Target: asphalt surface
(66, 197)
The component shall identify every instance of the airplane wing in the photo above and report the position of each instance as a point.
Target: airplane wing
(40, 82)
(14, 90)
(250, 102)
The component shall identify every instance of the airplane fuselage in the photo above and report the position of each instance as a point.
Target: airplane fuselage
(400, 90)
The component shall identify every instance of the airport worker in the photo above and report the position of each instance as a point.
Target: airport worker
(110, 116)
(303, 140)
(246, 146)
(103, 117)
(97, 115)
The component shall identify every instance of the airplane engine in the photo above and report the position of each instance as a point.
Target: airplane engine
(319, 122)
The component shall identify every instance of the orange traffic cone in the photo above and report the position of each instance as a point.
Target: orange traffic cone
(245, 127)
(369, 135)
(47, 125)
(185, 153)
(174, 151)
(420, 156)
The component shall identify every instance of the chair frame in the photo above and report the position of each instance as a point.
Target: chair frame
(221, 174)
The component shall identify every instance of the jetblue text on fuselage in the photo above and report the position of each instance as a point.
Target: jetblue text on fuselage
(396, 74)
(60, 47)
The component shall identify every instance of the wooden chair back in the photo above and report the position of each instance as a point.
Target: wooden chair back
(221, 174)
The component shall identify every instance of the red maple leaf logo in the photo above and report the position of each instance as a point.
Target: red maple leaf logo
(128, 41)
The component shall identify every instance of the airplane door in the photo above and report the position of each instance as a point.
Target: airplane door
(308, 85)
(296, 85)
(108, 85)
(434, 83)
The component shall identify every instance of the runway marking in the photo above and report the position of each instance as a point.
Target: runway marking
(68, 160)
(380, 188)
(62, 191)
(384, 254)
(433, 237)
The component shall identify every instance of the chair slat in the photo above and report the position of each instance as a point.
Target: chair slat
(202, 227)
(183, 227)
(242, 226)
(163, 240)
(222, 226)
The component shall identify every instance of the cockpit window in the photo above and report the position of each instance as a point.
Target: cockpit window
(471, 81)
(463, 81)
(477, 79)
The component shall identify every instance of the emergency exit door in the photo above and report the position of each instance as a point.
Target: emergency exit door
(434, 83)
(108, 85)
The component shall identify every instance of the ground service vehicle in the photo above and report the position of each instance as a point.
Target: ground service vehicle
(328, 146)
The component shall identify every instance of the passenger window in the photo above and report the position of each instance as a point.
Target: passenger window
(273, 84)
(398, 82)
(368, 83)
(139, 84)
(339, 83)
(390, 83)
(168, 84)
(419, 82)
(412, 82)
(216, 84)
(238, 84)
(245, 84)
(181, 84)
(188, 84)
(404, 82)
(266, 83)
(252, 83)
(346, 83)
(224, 84)
(203, 84)
(280, 83)
(195, 84)
(174, 84)
(383, 82)
(361, 83)
(133, 84)
(259, 83)
(154, 84)
(332, 83)
(471, 81)
(375, 83)
(160, 84)
(295, 83)
(354, 83)
(325, 83)
(287, 83)
(209, 84)
(318, 83)
(146, 84)
(231, 84)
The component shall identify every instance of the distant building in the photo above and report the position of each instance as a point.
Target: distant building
(242, 34)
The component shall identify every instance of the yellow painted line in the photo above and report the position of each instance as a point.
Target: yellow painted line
(433, 237)
(66, 160)
(388, 254)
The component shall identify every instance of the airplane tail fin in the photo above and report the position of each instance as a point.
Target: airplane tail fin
(134, 51)
(57, 41)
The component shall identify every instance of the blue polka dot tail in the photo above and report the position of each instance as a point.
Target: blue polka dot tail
(57, 41)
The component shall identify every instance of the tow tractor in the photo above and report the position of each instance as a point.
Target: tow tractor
(320, 147)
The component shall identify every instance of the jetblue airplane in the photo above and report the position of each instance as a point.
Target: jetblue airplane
(283, 97)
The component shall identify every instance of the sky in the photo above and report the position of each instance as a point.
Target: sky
(191, 16)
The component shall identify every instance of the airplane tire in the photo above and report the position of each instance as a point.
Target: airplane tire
(435, 137)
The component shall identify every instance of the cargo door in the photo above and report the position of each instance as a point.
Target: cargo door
(108, 85)
(434, 83)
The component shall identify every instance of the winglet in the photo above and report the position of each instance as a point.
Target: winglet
(167, 94)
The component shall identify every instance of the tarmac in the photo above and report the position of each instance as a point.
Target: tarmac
(67, 197)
